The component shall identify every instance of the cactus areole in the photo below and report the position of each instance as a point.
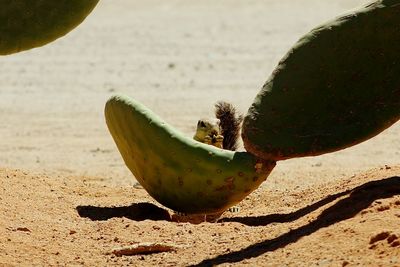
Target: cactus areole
(26, 24)
(338, 86)
(179, 172)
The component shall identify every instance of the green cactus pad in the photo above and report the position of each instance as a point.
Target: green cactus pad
(180, 173)
(337, 87)
(25, 24)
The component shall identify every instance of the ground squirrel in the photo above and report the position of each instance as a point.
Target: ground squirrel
(224, 130)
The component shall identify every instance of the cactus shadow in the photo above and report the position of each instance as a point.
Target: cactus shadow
(356, 200)
(136, 212)
(284, 218)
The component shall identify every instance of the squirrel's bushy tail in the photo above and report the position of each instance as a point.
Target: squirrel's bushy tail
(230, 123)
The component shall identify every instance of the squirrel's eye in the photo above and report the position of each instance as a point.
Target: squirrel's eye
(201, 124)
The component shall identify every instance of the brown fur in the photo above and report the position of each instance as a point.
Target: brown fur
(230, 124)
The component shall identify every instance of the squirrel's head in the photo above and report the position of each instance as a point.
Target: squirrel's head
(207, 128)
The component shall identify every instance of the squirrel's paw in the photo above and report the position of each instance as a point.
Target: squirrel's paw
(208, 140)
(219, 139)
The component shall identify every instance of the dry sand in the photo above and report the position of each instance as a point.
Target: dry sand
(178, 58)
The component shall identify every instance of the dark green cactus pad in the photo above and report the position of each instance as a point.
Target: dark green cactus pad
(180, 173)
(26, 24)
(337, 87)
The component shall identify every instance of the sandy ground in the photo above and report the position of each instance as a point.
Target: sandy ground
(178, 58)
(55, 221)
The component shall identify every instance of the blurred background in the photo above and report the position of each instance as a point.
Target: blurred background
(176, 57)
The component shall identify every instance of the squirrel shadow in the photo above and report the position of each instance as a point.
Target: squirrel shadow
(358, 199)
(136, 212)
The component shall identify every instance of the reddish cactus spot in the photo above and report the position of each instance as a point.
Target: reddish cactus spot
(258, 167)
(225, 198)
(180, 181)
(220, 188)
(240, 174)
(228, 186)
(229, 179)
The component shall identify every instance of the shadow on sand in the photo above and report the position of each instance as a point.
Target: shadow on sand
(354, 201)
(136, 212)
(357, 200)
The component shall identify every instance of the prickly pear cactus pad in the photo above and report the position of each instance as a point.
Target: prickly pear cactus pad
(338, 86)
(182, 174)
(25, 24)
